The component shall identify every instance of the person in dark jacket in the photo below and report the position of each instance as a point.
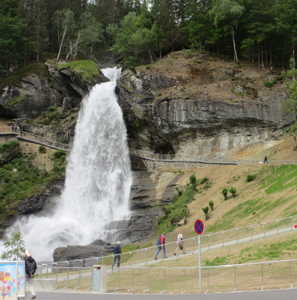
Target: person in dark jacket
(265, 159)
(30, 268)
(117, 251)
(161, 245)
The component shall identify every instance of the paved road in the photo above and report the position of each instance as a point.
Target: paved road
(288, 294)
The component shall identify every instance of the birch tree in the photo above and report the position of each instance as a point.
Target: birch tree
(64, 23)
(228, 12)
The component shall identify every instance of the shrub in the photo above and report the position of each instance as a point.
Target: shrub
(211, 204)
(8, 146)
(232, 190)
(42, 149)
(250, 177)
(268, 84)
(179, 192)
(205, 210)
(193, 181)
(225, 193)
(203, 180)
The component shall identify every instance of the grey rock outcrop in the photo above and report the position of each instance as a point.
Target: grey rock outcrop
(198, 126)
(67, 82)
(29, 100)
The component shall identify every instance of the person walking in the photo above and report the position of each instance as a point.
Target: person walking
(180, 243)
(117, 251)
(30, 269)
(161, 245)
(265, 159)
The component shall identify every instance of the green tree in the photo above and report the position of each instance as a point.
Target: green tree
(14, 246)
(12, 42)
(34, 12)
(232, 190)
(65, 26)
(193, 181)
(225, 193)
(205, 210)
(287, 23)
(211, 204)
(227, 12)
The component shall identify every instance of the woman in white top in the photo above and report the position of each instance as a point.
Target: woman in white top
(180, 243)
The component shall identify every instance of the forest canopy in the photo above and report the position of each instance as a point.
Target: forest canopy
(134, 32)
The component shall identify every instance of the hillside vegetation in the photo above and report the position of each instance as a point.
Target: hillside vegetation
(21, 177)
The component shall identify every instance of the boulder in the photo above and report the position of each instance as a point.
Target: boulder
(94, 250)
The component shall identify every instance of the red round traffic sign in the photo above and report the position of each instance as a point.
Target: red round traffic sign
(198, 227)
(295, 226)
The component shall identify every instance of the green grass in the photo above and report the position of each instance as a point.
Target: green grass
(251, 254)
(179, 210)
(280, 179)
(51, 114)
(87, 69)
(16, 100)
(273, 180)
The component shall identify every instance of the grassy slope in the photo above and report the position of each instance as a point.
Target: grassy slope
(270, 196)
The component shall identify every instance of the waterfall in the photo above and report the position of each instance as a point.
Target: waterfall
(98, 178)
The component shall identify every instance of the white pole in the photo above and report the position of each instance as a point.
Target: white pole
(200, 279)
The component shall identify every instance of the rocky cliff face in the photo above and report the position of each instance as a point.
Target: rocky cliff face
(30, 99)
(207, 109)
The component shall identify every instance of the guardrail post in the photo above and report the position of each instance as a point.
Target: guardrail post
(79, 270)
(40, 272)
(262, 278)
(130, 259)
(57, 274)
(291, 274)
(291, 224)
(146, 257)
(164, 282)
(148, 281)
(68, 273)
(234, 279)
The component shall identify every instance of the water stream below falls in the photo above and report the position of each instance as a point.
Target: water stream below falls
(98, 178)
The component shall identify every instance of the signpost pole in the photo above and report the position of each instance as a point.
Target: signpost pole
(199, 228)
(200, 277)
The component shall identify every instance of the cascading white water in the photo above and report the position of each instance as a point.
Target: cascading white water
(98, 178)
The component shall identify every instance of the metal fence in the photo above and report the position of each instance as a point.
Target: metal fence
(144, 257)
(6, 129)
(225, 278)
(35, 137)
(44, 140)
